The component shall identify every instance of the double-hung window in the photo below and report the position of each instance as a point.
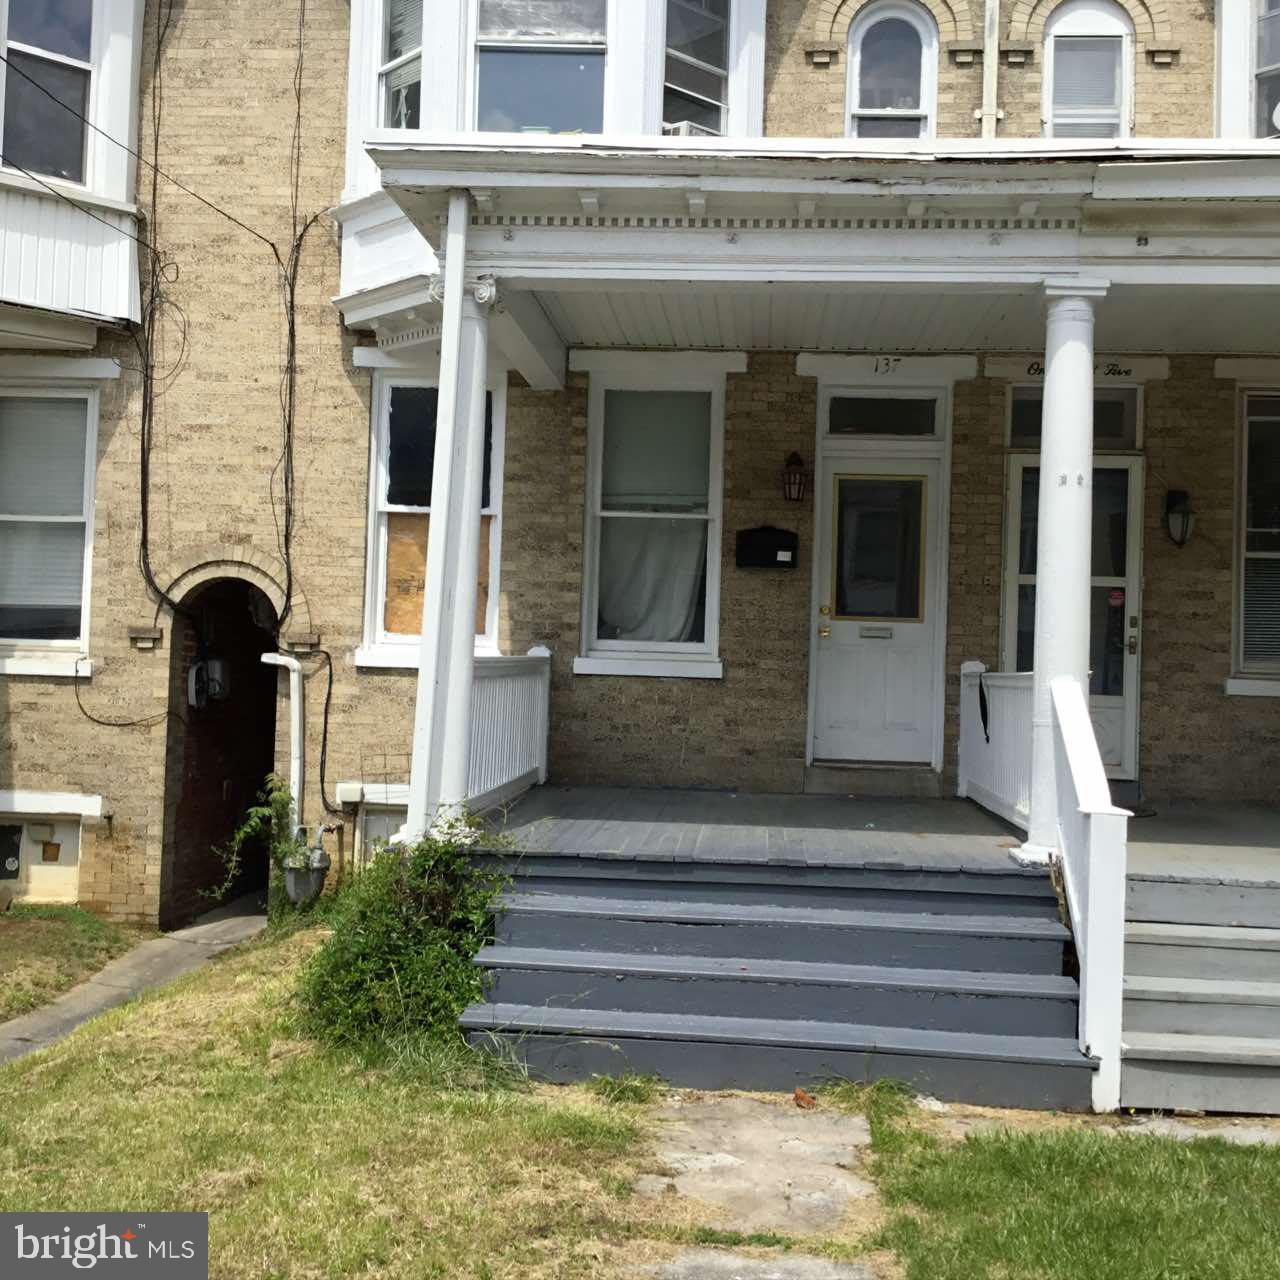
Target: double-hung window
(1267, 76)
(893, 61)
(652, 583)
(695, 96)
(46, 513)
(1258, 619)
(403, 466)
(400, 72)
(540, 66)
(1088, 57)
(48, 86)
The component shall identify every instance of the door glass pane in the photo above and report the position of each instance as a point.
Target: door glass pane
(889, 70)
(541, 91)
(657, 451)
(1106, 637)
(653, 580)
(882, 416)
(879, 542)
(1110, 522)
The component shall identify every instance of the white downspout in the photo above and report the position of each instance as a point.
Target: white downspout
(294, 668)
(991, 69)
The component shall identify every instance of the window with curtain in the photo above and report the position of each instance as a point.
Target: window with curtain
(400, 75)
(407, 445)
(540, 66)
(1088, 51)
(1259, 603)
(44, 514)
(893, 54)
(47, 86)
(654, 520)
(695, 94)
(1267, 82)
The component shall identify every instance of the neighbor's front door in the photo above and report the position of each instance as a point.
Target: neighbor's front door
(876, 633)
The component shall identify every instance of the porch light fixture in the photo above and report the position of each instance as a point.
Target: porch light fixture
(795, 479)
(1179, 518)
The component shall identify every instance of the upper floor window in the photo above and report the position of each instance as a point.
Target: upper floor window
(696, 87)
(1088, 70)
(48, 86)
(893, 71)
(1267, 89)
(400, 72)
(540, 66)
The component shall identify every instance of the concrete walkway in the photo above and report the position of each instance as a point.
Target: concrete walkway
(150, 964)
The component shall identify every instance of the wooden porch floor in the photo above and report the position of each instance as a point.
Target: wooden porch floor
(721, 826)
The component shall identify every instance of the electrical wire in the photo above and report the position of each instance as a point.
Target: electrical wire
(324, 739)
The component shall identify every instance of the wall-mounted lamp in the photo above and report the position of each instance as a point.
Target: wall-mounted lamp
(795, 478)
(1179, 518)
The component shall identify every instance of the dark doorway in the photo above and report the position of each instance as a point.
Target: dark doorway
(221, 742)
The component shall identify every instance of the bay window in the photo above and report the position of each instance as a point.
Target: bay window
(48, 86)
(696, 84)
(540, 66)
(46, 500)
(1267, 80)
(1258, 616)
(1088, 70)
(400, 73)
(403, 464)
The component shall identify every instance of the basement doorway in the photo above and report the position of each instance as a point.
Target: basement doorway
(221, 743)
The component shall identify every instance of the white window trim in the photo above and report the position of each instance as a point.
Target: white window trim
(643, 371)
(1244, 680)
(381, 648)
(1236, 33)
(726, 72)
(1090, 19)
(927, 29)
(63, 658)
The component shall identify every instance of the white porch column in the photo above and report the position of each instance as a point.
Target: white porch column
(1064, 542)
(442, 720)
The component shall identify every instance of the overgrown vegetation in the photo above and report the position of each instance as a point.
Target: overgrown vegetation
(635, 1089)
(399, 963)
(46, 950)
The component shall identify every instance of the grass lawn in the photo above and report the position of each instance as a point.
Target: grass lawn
(45, 950)
(313, 1164)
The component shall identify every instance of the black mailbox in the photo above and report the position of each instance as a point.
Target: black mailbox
(768, 548)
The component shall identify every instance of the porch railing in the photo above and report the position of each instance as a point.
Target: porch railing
(510, 712)
(995, 741)
(1092, 854)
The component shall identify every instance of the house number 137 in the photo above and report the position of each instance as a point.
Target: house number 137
(887, 364)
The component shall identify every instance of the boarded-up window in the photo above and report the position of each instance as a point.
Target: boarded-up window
(409, 441)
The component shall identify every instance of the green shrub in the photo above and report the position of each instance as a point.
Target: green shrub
(400, 959)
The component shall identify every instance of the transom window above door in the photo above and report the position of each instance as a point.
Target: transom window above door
(904, 414)
(1088, 70)
(1116, 417)
(893, 72)
(540, 66)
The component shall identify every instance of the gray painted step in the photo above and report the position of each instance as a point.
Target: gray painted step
(1200, 1073)
(1203, 902)
(1009, 944)
(1202, 1007)
(1202, 951)
(896, 782)
(722, 1053)
(939, 1000)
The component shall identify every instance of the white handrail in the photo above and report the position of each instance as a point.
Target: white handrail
(995, 758)
(510, 716)
(1092, 854)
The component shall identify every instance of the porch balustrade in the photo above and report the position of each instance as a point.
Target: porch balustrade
(510, 699)
(995, 741)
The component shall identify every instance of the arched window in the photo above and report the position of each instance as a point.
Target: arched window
(1088, 82)
(893, 72)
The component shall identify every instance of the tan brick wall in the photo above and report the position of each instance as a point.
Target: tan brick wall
(807, 100)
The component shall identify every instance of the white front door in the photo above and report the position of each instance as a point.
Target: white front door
(876, 632)
(1115, 617)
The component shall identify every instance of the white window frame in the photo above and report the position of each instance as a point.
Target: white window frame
(386, 67)
(634, 371)
(60, 657)
(725, 73)
(927, 29)
(380, 647)
(1090, 20)
(1246, 679)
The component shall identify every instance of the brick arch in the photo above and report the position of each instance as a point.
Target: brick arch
(835, 17)
(262, 570)
(1151, 26)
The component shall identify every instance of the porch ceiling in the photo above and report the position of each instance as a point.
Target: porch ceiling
(1131, 319)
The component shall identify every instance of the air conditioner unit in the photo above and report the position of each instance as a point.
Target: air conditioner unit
(687, 129)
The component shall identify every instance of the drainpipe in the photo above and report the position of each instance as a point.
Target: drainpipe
(991, 69)
(294, 668)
